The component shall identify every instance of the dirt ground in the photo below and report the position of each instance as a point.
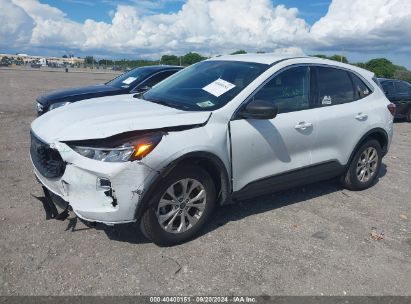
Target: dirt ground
(312, 240)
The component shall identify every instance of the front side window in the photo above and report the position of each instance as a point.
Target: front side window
(361, 90)
(289, 90)
(334, 86)
(205, 86)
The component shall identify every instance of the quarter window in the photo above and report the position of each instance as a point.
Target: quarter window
(334, 87)
(360, 88)
(289, 90)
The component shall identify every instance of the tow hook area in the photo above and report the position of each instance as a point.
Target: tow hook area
(51, 202)
(105, 185)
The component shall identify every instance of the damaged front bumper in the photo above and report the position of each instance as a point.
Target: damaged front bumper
(97, 191)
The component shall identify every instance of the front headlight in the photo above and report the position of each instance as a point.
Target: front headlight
(130, 150)
(39, 108)
(58, 104)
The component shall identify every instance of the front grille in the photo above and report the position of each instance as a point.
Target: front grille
(46, 159)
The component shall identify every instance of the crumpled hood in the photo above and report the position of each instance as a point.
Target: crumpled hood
(108, 116)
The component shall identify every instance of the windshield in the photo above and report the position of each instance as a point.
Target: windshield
(130, 78)
(205, 86)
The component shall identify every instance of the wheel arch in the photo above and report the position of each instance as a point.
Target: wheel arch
(378, 134)
(208, 161)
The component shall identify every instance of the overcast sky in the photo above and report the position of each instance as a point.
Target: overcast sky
(360, 29)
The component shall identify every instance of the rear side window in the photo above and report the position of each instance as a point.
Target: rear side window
(360, 88)
(289, 90)
(402, 87)
(388, 87)
(334, 86)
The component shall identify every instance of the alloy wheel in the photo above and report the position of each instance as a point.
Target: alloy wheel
(367, 164)
(181, 205)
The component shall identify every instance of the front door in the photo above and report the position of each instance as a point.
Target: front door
(265, 148)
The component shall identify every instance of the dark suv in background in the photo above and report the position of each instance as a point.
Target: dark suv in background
(137, 80)
(399, 93)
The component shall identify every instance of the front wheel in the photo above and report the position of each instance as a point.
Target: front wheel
(364, 166)
(180, 207)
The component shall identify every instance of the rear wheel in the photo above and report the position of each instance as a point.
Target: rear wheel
(181, 206)
(364, 166)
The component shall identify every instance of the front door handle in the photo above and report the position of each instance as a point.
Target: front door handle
(303, 125)
(361, 116)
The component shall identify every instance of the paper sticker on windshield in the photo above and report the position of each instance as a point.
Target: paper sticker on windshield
(205, 104)
(218, 87)
(326, 100)
(129, 80)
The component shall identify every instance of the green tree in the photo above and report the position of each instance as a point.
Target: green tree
(382, 67)
(334, 57)
(239, 52)
(170, 60)
(402, 73)
(105, 62)
(89, 60)
(191, 58)
(339, 58)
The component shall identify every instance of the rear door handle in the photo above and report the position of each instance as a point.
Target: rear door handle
(303, 125)
(361, 116)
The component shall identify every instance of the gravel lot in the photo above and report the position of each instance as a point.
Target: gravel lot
(310, 240)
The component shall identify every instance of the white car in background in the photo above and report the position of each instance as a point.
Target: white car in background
(223, 129)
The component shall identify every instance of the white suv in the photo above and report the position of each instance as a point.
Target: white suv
(221, 130)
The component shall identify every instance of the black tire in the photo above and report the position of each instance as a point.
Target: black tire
(150, 225)
(350, 179)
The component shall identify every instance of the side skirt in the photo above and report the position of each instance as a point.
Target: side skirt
(290, 179)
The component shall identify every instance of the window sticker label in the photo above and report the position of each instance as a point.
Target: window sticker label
(218, 87)
(326, 100)
(129, 80)
(205, 104)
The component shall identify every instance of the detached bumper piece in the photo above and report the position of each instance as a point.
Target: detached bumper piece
(52, 204)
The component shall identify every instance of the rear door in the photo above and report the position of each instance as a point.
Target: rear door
(264, 148)
(343, 105)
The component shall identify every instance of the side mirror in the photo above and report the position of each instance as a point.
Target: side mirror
(143, 89)
(260, 109)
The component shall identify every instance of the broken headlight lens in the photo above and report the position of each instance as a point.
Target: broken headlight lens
(134, 149)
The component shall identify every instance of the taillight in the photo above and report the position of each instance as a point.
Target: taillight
(392, 108)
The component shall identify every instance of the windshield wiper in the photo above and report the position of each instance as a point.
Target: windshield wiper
(166, 103)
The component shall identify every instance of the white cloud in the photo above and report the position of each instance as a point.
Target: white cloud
(52, 28)
(211, 27)
(16, 25)
(208, 26)
(369, 25)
